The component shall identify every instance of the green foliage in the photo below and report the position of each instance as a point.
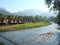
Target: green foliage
(29, 22)
(55, 7)
(58, 18)
(56, 4)
(48, 2)
(36, 18)
(52, 19)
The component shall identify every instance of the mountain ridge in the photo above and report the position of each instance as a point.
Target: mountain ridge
(28, 12)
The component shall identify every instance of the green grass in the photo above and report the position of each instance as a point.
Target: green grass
(23, 26)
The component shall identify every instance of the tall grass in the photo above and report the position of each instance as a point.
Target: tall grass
(23, 26)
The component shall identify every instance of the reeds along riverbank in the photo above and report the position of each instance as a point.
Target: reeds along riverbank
(23, 26)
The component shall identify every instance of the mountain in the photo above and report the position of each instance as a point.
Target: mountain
(29, 12)
(34, 12)
(4, 11)
(49, 14)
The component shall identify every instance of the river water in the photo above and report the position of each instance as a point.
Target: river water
(46, 35)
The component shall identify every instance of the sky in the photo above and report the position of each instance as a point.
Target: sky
(19, 5)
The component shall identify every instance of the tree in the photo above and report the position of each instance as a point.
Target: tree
(58, 18)
(55, 3)
(55, 6)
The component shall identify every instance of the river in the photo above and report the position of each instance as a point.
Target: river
(47, 35)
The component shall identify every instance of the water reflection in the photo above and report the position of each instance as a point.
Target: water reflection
(58, 27)
(1, 43)
(58, 38)
(5, 42)
(34, 36)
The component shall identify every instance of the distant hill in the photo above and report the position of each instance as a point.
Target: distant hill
(33, 12)
(29, 12)
(52, 19)
(4, 11)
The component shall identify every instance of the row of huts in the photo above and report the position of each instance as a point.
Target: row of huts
(14, 21)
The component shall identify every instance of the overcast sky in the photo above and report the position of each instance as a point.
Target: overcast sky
(19, 5)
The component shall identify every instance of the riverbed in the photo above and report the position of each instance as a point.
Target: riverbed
(47, 35)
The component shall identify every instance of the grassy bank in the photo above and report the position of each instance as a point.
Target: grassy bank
(23, 26)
